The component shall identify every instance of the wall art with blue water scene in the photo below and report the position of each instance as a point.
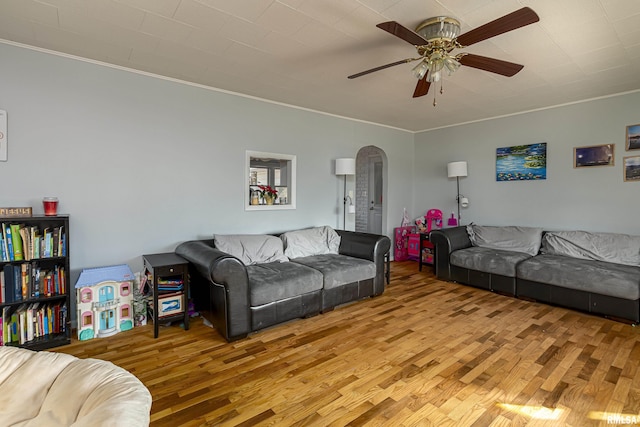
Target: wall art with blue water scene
(522, 162)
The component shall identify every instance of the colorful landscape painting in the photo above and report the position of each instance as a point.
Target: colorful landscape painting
(632, 168)
(633, 137)
(522, 162)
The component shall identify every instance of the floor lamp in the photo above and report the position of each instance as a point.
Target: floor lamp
(345, 167)
(456, 170)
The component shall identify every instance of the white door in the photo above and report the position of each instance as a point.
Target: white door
(374, 223)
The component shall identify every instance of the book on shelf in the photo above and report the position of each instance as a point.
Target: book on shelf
(3, 248)
(46, 243)
(54, 241)
(16, 275)
(9, 289)
(6, 316)
(170, 285)
(6, 228)
(16, 239)
(13, 327)
(24, 280)
(19, 242)
(24, 239)
(12, 283)
(21, 282)
(32, 321)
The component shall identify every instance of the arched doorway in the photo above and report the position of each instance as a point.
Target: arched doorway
(371, 190)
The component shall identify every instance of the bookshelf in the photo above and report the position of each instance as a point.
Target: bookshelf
(34, 276)
(168, 281)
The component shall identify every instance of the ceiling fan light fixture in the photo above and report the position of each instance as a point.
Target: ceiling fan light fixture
(451, 64)
(436, 61)
(439, 28)
(433, 76)
(421, 69)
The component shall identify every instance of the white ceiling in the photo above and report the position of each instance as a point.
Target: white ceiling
(300, 52)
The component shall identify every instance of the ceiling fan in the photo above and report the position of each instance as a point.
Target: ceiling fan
(437, 37)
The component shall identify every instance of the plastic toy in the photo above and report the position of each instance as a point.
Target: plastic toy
(104, 301)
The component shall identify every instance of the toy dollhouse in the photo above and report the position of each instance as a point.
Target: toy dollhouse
(104, 301)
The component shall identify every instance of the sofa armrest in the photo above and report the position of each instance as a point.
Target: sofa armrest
(227, 281)
(445, 241)
(373, 247)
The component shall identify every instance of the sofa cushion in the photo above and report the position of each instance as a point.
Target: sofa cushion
(599, 277)
(251, 248)
(338, 270)
(495, 261)
(310, 241)
(611, 247)
(510, 238)
(276, 281)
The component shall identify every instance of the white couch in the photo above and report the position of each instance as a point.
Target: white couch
(55, 389)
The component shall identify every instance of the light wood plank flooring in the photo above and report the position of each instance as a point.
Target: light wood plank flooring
(424, 353)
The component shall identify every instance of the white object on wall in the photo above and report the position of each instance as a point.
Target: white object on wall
(3, 136)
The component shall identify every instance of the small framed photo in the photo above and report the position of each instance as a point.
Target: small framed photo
(594, 155)
(170, 304)
(633, 137)
(631, 168)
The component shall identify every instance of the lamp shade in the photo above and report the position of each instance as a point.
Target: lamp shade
(345, 166)
(455, 169)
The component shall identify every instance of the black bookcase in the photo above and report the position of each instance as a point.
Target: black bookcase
(44, 303)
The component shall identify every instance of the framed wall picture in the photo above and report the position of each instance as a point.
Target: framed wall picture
(631, 168)
(269, 173)
(633, 137)
(522, 162)
(594, 155)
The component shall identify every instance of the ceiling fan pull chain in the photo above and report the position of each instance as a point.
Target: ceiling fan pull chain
(434, 94)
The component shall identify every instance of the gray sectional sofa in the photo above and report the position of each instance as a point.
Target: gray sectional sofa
(593, 272)
(244, 283)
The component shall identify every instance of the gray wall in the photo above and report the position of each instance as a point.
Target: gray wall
(142, 164)
(594, 199)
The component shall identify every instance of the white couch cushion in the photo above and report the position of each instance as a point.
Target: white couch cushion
(251, 248)
(311, 241)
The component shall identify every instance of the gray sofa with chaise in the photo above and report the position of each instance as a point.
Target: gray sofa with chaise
(244, 283)
(593, 272)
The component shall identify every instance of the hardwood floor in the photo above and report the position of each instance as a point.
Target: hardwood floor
(425, 352)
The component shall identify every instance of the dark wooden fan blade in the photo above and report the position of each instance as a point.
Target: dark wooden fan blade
(404, 33)
(491, 64)
(512, 21)
(382, 67)
(422, 88)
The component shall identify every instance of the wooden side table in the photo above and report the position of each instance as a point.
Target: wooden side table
(425, 243)
(168, 279)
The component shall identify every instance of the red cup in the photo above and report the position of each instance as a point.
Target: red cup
(50, 206)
